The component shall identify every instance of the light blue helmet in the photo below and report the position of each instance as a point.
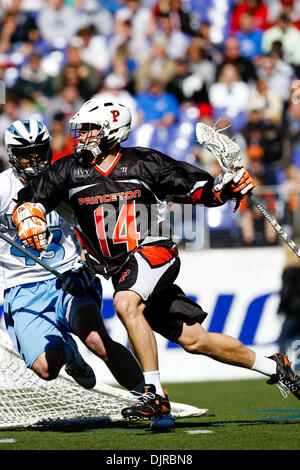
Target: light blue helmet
(30, 139)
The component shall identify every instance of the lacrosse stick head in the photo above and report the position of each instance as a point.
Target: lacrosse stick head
(225, 150)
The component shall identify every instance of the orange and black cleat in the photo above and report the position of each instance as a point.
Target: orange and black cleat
(285, 378)
(149, 405)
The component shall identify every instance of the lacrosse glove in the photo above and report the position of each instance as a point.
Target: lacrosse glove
(235, 185)
(33, 231)
(76, 281)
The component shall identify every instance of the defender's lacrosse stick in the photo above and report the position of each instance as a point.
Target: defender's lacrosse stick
(228, 154)
(33, 257)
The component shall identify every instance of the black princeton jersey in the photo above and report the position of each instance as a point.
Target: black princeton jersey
(124, 206)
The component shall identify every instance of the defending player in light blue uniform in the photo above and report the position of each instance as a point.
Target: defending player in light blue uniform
(38, 315)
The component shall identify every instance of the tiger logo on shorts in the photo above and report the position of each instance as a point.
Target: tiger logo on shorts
(125, 273)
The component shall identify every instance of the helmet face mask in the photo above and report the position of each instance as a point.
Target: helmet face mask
(28, 145)
(98, 127)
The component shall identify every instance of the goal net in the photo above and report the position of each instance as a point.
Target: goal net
(26, 400)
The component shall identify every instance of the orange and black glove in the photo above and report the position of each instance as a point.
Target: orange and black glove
(235, 185)
(33, 231)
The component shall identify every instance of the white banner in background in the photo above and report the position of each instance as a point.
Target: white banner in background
(238, 288)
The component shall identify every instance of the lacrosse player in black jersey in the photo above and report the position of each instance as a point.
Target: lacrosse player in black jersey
(118, 196)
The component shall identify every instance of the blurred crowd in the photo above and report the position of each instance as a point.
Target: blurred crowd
(164, 60)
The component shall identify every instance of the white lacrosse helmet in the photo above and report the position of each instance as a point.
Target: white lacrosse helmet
(108, 121)
(31, 140)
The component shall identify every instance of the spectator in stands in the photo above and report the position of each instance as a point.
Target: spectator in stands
(61, 145)
(188, 88)
(67, 102)
(176, 41)
(57, 123)
(255, 229)
(101, 18)
(58, 23)
(142, 19)
(289, 7)
(121, 65)
(16, 27)
(181, 19)
(292, 123)
(68, 76)
(292, 10)
(9, 113)
(289, 37)
(90, 45)
(277, 74)
(267, 100)
(229, 96)
(249, 38)
(32, 80)
(232, 55)
(158, 66)
(256, 8)
(89, 79)
(156, 106)
(137, 49)
(200, 65)
(266, 139)
(34, 43)
(8, 29)
(202, 38)
(273, 143)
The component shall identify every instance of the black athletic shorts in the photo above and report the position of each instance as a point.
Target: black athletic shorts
(167, 311)
(151, 272)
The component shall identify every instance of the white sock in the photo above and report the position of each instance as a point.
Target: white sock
(153, 377)
(264, 365)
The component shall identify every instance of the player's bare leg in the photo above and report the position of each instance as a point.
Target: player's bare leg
(129, 307)
(223, 348)
(153, 402)
(49, 363)
(88, 325)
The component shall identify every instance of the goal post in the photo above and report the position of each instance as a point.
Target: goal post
(26, 400)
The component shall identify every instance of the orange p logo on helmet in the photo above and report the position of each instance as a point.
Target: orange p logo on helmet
(115, 114)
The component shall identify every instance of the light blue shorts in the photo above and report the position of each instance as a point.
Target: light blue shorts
(35, 316)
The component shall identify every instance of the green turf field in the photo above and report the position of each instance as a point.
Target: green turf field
(242, 415)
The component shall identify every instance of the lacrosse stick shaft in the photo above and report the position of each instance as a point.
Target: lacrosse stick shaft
(275, 224)
(34, 258)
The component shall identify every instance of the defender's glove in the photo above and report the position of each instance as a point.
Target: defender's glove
(33, 231)
(234, 185)
(76, 281)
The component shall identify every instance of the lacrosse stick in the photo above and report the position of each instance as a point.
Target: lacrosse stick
(228, 154)
(33, 257)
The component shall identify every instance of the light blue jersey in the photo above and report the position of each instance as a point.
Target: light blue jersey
(36, 313)
(15, 268)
